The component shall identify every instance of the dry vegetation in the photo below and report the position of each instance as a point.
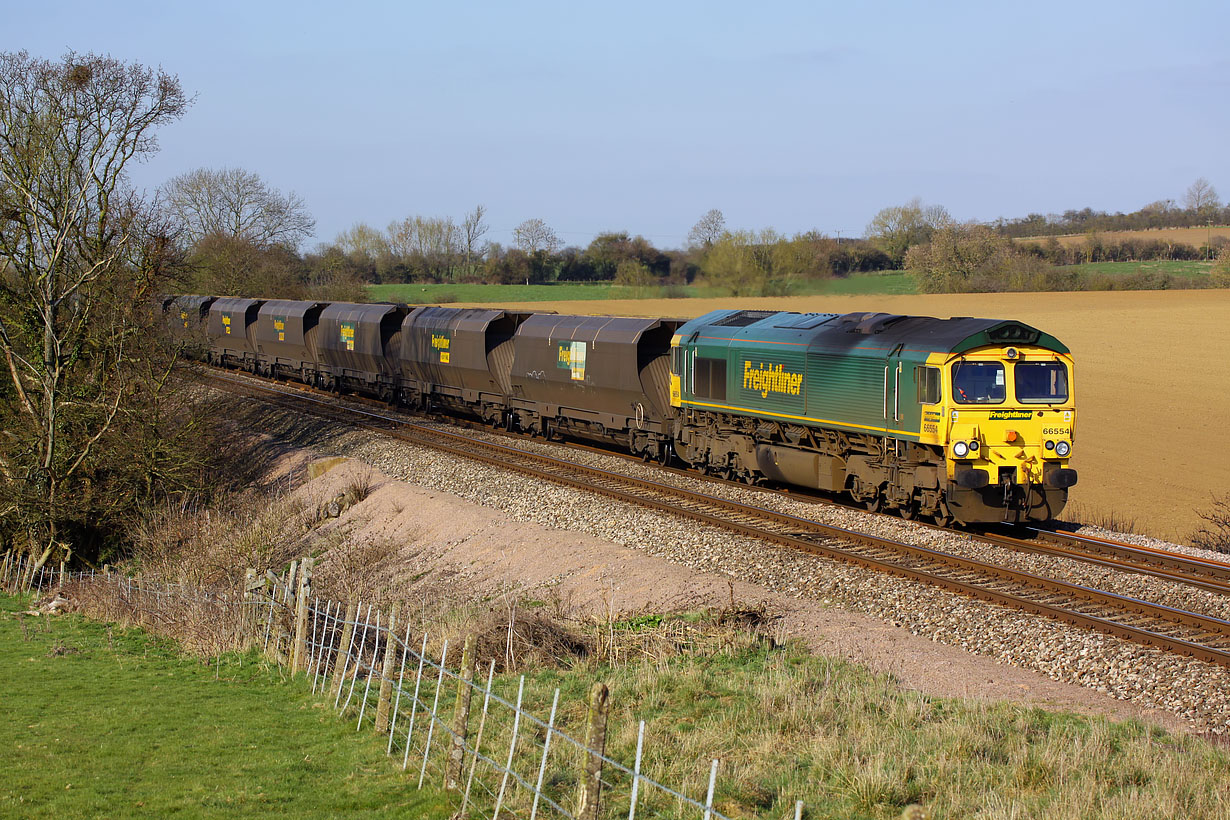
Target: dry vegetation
(1214, 533)
(210, 550)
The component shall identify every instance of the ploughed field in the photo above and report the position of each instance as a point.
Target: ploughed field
(1152, 384)
(1197, 236)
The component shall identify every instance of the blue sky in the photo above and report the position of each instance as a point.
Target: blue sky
(642, 116)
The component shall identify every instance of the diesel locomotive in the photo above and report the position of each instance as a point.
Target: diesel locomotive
(965, 420)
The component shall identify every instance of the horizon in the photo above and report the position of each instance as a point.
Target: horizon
(641, 121)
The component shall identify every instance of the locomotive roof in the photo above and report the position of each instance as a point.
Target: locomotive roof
(867, 331)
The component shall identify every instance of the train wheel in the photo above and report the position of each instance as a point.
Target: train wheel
(909, 512)
(875, 503)
(664, 455)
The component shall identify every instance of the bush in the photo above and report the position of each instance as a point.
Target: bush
(1215, 534)
(972, 258)
(1220, 275)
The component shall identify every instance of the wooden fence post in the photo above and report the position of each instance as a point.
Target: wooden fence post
(63, 567)
(250, 585)
(461, 716)
(595, 743)
(342, 659)
(299, 653)
(8, 560)
(386, 672)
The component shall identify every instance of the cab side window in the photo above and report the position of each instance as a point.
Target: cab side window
(711, 378)
(928, 379)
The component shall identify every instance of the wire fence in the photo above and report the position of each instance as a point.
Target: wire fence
(448, 719)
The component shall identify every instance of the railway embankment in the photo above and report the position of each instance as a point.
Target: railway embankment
(915, 623)
(855, 692)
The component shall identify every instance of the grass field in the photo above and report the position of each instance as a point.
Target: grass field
(1172, 267)
(875, 282)
(888, 283)
(116, 724)
(1186, 236)
(103, 722)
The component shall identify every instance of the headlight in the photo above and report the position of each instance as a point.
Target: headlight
(1062, 448)
(960, 449)
(1050, 445)
(973, 446)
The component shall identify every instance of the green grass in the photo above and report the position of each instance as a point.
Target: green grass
(874, 282)
(432, 294)
(852, 744)
(860, 283)
(1174, 268)
(103, 722)
(111, 722)
(870, 283)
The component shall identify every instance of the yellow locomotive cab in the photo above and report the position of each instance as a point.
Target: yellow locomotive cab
(1006, 418)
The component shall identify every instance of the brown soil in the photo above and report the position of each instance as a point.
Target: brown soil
(438, 537)
(1152, 384)
(1187, 236)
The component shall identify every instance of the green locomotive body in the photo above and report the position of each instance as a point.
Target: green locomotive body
(865, 403)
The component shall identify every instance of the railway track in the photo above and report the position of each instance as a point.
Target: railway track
(1151, 624)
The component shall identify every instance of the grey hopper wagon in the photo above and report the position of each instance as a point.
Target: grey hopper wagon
(188, 319)
(351, 343)
(600, 377)
(231, 329)
(459, 359)
(285, 335)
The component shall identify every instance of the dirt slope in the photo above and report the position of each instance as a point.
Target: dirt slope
(439, 536)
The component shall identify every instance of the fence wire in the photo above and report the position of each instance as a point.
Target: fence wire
(443, 721)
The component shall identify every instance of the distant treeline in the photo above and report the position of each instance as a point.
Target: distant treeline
(1096, 248)
(924, 239)
(1161, 214)
(437, 250)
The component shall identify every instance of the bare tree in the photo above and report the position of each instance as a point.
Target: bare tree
(429, 244)
(364, 242)
(708, 230)
(76, 272)
(895, 229)
(1201, 196)
(239, 204)
(534, 235)
(473, 229)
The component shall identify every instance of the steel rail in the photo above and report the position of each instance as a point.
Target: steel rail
(1169, 566)
(1210, 576)
(1143, 622)
(1210, 568)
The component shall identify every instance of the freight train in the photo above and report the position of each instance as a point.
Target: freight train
(960, 420)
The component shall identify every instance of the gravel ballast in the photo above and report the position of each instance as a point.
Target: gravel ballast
(1193, 690)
